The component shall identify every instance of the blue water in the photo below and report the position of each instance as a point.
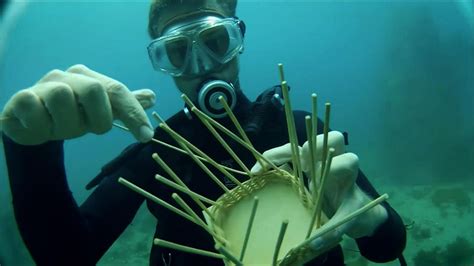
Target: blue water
(398, 75)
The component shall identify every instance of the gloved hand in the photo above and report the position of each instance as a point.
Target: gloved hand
(69, 104)
(341, 195)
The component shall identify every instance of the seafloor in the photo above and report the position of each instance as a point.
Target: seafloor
(439, 220)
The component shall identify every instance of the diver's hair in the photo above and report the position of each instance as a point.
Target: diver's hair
(157, 7)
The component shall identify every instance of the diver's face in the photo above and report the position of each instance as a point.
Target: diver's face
(190, 84)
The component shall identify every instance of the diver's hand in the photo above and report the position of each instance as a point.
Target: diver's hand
(341, 195)
(69, 104)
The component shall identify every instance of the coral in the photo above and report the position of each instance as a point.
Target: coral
(419, 193)
(455, 196)
(428, 258)
(458, 252)
(421, 233)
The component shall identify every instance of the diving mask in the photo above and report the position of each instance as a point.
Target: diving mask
(193, 49)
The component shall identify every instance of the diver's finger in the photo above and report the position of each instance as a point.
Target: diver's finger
(28, 121)
(91, 100)
(340, 179)
(127, 109)
(124, 104)
(366, 222)
(59, 99)
(344, 168)
(335, 140)
(145, 97)
(278, 156)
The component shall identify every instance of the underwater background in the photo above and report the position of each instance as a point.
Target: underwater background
(399, 75)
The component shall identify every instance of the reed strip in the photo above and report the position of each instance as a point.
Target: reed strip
(171, 245)
(281, 235)
(325, 139)
(236, 138)
(207, 157)
(281, 72)
(195, 159)
(309, 135)
(314, 126)
(234, 120)
(183, 189)
(249, 227)
(228, 255)
(344, 220)
(155, 199)
(224, 144)
(190, 211)
(293, 137)
(178, 180)
(184, 152)
(322, 187)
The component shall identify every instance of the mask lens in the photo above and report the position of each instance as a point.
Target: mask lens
(216, 40)
(176, 49)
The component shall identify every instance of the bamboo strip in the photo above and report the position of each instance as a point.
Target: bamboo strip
(323, 187)
(280, 71)
(178, 180)
(309, 135)
(183, 189)
(297, 171)
(236, 138)
(291, 140)
(190, 211)
(325, 140)
(224, 144)
(234, 120)
(228, 255)
(249, 227)
(167, 244)
(195, 159)
(183, 151)
(204, 155)
(346, 219)
(318, 206)
(155, 199)
(314, 126)
(281, 235)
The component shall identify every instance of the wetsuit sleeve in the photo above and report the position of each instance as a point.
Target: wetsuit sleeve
(54, 228)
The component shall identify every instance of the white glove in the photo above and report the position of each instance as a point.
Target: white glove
(69, 104)
(341, 195)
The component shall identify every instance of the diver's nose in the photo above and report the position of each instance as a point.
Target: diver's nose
(199, 62)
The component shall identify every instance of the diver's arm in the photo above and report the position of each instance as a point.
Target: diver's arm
(389, 239)
(53, 227)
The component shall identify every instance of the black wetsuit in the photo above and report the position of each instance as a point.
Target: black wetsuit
(59, 232)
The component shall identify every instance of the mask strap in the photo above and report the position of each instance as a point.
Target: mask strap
(242, 26)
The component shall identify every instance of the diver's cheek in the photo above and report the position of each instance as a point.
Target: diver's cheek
(230, 71)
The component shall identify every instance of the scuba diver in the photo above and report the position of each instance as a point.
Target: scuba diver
(3, 6)
(198, 44)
